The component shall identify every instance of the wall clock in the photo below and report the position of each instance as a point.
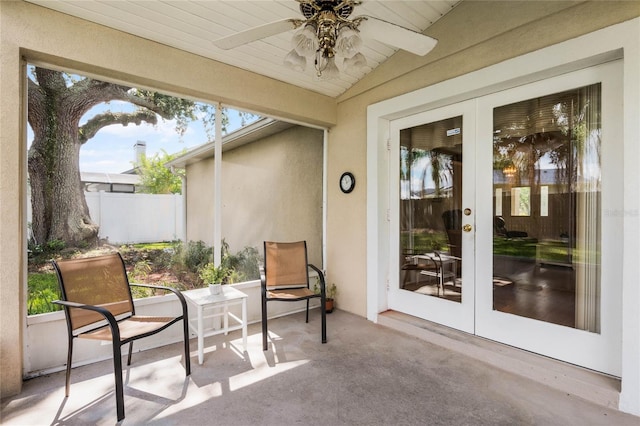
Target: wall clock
(347, 182)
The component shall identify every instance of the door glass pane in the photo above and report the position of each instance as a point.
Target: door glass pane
(546, 189)
(430, 200)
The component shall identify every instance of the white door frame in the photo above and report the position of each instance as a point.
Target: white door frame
(614, 42)
(459, 315)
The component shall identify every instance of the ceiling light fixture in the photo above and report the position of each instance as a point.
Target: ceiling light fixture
(328, 38)
(327, 35)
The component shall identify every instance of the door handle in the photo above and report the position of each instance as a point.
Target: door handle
(466, 228)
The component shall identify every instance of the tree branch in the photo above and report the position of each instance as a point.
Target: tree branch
(50, 79)
(89, 92)
(107, 118)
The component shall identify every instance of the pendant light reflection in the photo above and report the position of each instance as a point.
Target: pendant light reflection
(510, 170)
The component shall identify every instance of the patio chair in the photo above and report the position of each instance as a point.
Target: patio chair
(452, 220)
(501, 230)
(97, 301)
(285, 278)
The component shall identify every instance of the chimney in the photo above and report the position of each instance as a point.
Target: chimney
(140, 152)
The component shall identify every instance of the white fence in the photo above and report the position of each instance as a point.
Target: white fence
(137, 218)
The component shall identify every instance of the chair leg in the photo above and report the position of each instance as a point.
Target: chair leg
(187, 352)
(264, 323)
(324, 320)
(130, 352)
(117, 371)
(307, 310)
(69, 356)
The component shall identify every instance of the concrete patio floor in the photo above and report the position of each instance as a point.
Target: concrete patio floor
(366, 374)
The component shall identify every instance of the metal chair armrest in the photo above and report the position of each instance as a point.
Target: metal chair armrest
(320, 276)
(113, 324)
(178, 293)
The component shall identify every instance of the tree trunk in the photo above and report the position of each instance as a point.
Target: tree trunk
(58, 204)
(59, 208)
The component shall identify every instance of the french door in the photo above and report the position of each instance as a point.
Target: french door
(503, 216)
(435, 183)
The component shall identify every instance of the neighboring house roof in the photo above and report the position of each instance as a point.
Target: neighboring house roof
(255, 131)
(133, 171)
(95, 177)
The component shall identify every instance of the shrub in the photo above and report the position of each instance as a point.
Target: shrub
(183, 260)
(192, 255)
(244, 265)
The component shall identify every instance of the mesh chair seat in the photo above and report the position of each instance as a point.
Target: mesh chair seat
(131, 328)
(291, 293)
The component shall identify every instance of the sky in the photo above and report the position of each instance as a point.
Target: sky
(111, 149)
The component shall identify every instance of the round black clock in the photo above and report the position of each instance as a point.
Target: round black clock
(347, 182)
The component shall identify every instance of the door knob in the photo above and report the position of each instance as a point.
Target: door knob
(466, 228)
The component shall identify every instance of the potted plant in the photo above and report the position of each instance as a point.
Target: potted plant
(331, 291)
(214, 275)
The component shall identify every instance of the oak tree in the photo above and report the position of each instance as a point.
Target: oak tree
(57, 102)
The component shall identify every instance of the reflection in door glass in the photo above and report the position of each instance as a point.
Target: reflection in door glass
(430, 214)
(546, 197)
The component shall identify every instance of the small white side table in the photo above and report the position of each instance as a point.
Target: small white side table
(216, 305)
(441, 261)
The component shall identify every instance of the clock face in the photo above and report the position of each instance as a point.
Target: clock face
(347, 182)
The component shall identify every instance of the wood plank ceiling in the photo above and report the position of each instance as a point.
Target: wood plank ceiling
(191, 25)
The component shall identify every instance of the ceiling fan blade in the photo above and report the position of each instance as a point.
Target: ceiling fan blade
(256, 33)
(397, 36)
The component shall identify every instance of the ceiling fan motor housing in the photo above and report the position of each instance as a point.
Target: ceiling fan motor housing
(341, 8)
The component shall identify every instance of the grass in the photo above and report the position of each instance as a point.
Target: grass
(42, 289)
(424, 242)
(514, 247)
(155, 246)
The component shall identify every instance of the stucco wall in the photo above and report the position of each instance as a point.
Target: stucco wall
(471, 37)
(271, 190)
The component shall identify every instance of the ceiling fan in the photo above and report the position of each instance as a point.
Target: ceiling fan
(327, 33)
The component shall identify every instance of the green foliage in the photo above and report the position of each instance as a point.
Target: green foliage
(155, 178)
(212, 274)
(140, 292)
(192, 255)
(185, 111)
(331, 289)
(184, 261)
(141, 269)
(48, 248)
(244, 264)
(42, 289)
(182, 110)
(241, 266)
